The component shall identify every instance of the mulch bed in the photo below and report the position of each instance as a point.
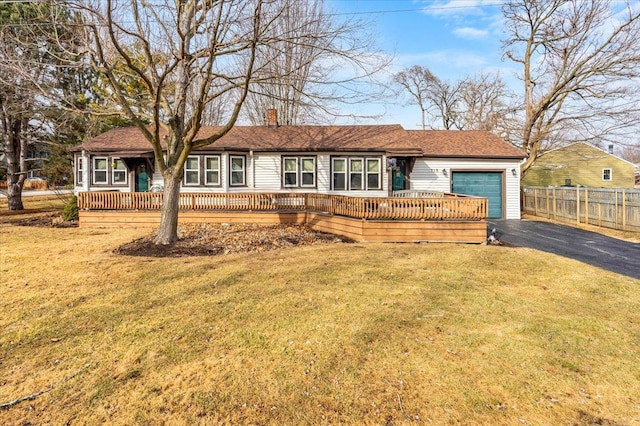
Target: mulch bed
(38, 219)
(221, 239)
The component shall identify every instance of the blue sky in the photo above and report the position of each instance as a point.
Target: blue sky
(452, 38)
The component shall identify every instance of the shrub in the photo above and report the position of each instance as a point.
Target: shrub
(70, 211)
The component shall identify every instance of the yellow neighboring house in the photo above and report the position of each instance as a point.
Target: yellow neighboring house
(580, 164)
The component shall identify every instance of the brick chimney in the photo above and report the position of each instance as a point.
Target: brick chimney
(272, 117)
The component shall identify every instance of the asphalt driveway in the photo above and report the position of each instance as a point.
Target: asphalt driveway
(589, 247)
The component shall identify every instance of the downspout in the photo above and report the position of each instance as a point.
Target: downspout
(86, 172)
(253, 170)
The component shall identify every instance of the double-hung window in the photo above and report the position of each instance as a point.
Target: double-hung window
(79, 171)
(118, 172)
(212, 170)
(237, 170)
(192, 170)
(298, 172)
(339, 172)
(100, 170)
(607, 174)
(356, 173)
(308, 172)
(290, 172)
(373, 173)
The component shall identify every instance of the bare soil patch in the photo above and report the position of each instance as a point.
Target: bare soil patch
(219, 239)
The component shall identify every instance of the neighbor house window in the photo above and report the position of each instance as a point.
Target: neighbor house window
(356, 174)
(79, 171)
(237, 170)
(100, 170)
(212, 170)
(119, 172)
(298, 172)
(607, 174)
(192, 170)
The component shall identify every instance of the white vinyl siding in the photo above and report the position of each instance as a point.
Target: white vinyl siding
(435, 175)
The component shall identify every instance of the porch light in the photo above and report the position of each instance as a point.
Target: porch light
(514, 172)
(444, 172)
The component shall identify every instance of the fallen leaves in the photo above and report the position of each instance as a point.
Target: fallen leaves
(220, 239)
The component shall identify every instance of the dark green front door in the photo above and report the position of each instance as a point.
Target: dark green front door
(480, 184)
(399, 175)
(142, 182)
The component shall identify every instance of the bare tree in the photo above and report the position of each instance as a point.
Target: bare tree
(421, 84)
(302, 77)
(31, 64)
(481, 102)
(188, 56)
(580, 67)
(486, 104)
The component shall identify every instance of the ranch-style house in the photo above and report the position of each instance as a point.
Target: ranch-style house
(366, 162)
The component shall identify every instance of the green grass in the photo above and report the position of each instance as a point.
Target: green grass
(334, 334)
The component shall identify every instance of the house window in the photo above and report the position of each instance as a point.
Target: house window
(237, 170)
(212, 170)
(79, 171)
(373, 173)
(100, 166)
(357, 173)
(607, 174)
(290, 172)
(192, 170)
(308, 171)
(298, 172)
(119, 172)
(339, 174)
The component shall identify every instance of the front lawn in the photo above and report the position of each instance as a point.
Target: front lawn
(322, 334)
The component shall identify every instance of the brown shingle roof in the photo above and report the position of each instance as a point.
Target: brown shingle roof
(392, 139)
(463, 143)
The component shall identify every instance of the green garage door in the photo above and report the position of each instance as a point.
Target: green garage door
(481, 184)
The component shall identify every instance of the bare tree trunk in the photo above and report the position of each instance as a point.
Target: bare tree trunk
(168, 231)
(16, 165)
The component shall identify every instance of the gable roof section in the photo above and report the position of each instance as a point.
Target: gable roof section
(575, 147)
(391, 139)
(463, 143)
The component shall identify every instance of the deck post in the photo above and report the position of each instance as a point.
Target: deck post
(578, 204)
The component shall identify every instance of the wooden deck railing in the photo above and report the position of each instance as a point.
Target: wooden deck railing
(448, 207)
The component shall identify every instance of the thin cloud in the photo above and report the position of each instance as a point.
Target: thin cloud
(471, 33)
(458, 7)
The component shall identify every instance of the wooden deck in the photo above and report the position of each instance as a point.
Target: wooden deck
(448, 219)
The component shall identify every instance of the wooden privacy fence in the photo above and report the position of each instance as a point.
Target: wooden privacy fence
(607, 207)
(445, 208)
